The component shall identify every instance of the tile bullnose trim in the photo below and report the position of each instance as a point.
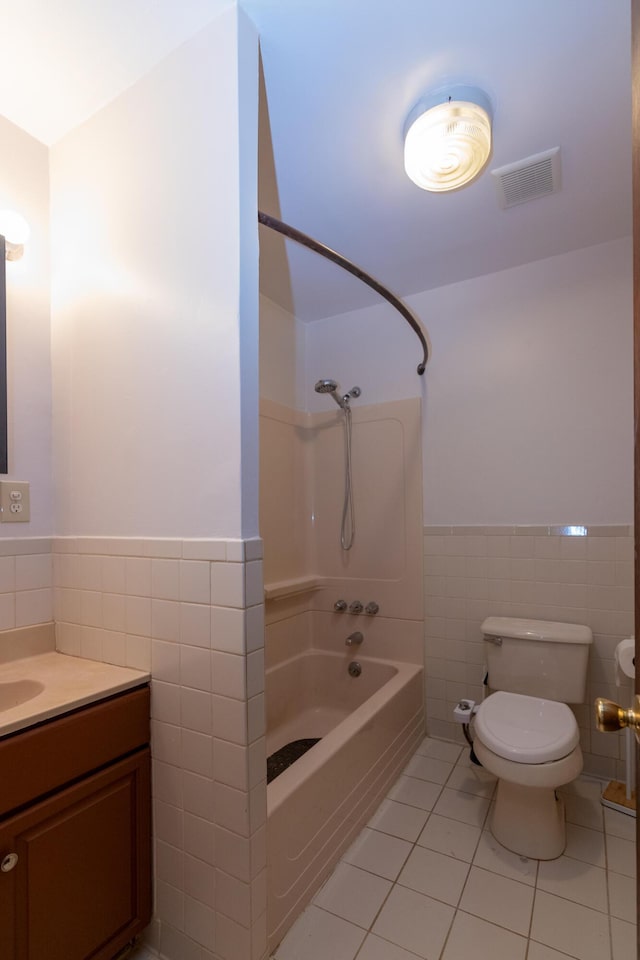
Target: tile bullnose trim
(21, 546)
(553, 530)
(230, 549)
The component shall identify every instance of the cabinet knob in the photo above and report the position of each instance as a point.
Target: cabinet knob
(8, 863)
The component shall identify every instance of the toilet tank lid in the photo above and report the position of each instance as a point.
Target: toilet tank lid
(536, 630)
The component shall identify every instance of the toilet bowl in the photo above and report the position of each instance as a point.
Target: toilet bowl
(532, 745)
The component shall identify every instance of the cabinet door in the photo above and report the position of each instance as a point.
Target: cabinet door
(81, 886)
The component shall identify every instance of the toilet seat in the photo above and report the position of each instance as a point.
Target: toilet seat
(526, 729)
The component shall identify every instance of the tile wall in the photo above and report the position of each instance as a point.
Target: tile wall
(573, 574)
(192, 613)
(26, 595)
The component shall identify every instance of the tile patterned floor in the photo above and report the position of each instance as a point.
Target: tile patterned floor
(425, 880)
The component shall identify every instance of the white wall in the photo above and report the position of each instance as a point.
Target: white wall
(374, 349)
(282, 356)
(154, 321)
(529, 405)
(24, 187)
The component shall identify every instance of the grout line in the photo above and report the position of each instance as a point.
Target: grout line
(410, 952)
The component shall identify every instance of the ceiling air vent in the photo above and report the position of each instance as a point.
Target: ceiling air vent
(528, 179)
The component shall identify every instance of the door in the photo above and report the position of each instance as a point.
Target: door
(610, 716)
(635, 83)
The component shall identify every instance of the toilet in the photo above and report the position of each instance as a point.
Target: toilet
(524, 732)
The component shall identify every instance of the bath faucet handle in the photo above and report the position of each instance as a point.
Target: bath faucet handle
(356, 607)
(371, 608)
(354, 639)
(340, 606)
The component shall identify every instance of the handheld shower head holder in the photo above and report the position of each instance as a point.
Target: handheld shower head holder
(348, 528)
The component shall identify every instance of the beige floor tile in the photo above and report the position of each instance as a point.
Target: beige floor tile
(538, 951)
(622, 897)
(472, 937)
(375, 948)
(462, 806)
(499, 900)
(472, 779)
(575, 880)
(353, 894)
(440, 749)
(584, 811)
(584, 788)
(491, 855)
(417, 793)
(499, 905)
(414, 922)
(623, 940)
(585, 844)
(399, 820)
(621, 856)
(570, 928)
(618, 824)
(435, 875)
(451, 837)
(378, 853)
(428, 768)
(317, 935)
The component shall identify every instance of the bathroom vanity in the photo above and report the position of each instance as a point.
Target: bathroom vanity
(75, 870)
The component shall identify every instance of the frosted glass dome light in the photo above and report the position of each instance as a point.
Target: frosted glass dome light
(448, 139)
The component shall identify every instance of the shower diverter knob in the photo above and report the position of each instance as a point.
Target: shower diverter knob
(356, 607)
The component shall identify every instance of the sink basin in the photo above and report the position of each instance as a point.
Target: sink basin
(18, 691)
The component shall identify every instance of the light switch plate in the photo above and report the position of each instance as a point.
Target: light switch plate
(14, 501)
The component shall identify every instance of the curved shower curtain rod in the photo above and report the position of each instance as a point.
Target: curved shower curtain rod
(350, 267)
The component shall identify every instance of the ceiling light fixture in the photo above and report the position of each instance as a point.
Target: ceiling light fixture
(448, 138)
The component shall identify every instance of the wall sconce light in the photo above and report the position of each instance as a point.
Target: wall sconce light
(15, 230)
(448, 138)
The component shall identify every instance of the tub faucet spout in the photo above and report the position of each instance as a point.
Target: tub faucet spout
(354, 639)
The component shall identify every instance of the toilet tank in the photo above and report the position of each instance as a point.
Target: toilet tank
(539, 658)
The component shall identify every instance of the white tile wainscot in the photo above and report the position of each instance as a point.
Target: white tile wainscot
(575, 574)
(191, 612)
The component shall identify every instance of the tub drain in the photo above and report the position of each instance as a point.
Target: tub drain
(279, 761)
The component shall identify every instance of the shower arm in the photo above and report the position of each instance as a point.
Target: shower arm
(268, 221)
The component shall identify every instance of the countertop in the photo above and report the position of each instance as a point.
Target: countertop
(50, 684)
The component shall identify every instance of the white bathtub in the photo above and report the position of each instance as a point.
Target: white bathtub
(369, 726)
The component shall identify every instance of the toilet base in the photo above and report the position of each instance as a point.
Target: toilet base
(529, 821)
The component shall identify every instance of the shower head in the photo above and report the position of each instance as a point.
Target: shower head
(331, 387)
(326, 386)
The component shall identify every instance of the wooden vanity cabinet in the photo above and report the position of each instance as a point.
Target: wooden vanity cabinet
(81, 886)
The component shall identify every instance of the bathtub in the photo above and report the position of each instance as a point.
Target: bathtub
(369, 726)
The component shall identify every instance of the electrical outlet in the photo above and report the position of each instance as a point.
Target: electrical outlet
(14, 501)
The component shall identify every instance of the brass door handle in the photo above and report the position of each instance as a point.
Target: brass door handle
(611, 716)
